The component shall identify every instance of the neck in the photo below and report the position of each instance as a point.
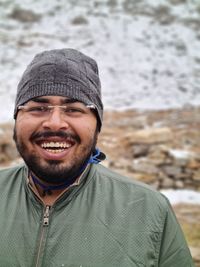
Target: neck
(48, 196)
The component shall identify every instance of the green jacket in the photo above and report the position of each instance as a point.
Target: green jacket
(105, 221)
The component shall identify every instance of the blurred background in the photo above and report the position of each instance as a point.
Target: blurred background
(148, 52)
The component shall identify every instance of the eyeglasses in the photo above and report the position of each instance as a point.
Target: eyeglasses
(76, 109)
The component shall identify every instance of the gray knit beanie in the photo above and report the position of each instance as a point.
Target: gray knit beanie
(62, 72)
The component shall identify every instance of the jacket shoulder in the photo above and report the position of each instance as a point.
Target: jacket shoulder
(13, 169)
(7, 174)
(129, 187)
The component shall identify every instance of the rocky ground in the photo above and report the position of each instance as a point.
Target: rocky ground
(161, 148)
(189, 218)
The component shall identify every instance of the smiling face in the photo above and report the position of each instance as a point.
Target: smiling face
(55, 142)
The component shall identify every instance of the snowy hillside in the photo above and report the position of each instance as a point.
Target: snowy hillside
(148, 51)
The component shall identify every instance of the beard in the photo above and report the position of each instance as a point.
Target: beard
(53, 171)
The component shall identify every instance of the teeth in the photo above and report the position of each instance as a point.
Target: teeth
(55, 150)
(56, 145)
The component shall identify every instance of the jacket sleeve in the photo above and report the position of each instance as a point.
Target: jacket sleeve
(174, 251)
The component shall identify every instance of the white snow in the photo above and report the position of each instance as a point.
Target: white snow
(182, 196)
(181, 154)
(143, 64)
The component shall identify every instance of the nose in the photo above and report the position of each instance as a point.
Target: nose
(55, 120)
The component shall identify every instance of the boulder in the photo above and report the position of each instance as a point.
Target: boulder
(144, 166)
(172, 171)
(24, 15)
(149, 136)
(196, 176)
(146, 178)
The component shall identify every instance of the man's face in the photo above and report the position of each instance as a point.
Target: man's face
(55, 143)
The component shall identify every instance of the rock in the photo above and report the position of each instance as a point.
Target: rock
(112, 3)
(177, 2)
(144, 166)
(79, 20)
(120, 164)
(189, 184)
(157, 154)
(180, 162)
(136, 8)
(8, 149)
(193, 164)
(140, 150)
(24, 15)
(180, 157)
(172, 171)
(196, 176)
(192, 22)
(150, 136)
(166, 182)
(146, 178)
(163, 16)
(181, 50)
(184, 176)
(195, 251)
(179, 184)
(180, 154)
(11, 151)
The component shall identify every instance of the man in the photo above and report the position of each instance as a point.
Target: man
(61, 208)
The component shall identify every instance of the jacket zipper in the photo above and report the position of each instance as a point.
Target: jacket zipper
(45, 222)
(46, 216)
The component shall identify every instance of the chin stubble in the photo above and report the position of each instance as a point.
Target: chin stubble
(54, 171)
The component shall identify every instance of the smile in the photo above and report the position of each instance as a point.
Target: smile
(56, 147)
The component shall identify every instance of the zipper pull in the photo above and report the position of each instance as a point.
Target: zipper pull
(46, 216)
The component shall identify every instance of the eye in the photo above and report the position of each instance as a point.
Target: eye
(38, 109)
(73, 110)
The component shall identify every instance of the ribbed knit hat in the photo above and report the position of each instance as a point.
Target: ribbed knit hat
(61, 72)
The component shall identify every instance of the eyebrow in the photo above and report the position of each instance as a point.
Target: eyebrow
(70, 100)
(40, 100)
(47, 100)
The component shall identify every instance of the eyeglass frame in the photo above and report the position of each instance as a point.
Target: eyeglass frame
(49, 108)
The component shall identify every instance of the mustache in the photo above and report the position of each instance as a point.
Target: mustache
(62, 134)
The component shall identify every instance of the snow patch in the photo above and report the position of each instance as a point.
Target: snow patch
(182, 196)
